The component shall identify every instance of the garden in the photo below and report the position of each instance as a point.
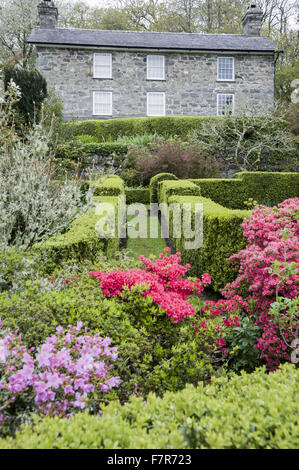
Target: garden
(112, 340)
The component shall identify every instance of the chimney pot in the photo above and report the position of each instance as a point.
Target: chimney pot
(48, 14)
(252, 20)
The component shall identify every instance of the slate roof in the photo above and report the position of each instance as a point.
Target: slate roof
(151, 40)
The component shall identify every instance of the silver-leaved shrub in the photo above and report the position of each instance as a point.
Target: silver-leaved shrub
(32, 206)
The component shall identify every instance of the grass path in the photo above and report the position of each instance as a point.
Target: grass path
(146, 246)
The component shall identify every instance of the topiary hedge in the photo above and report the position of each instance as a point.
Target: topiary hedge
(179, 187)
(82, 152)
(110, 130)
(80, 242)
(247, 411)
(141, 195)
(267, 188)
(222, 237)
(154, 183)
(110, 185)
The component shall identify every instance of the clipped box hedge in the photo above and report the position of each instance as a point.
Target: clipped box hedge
(222, 237)
(179, 187)
(154, 183)
(80, 241)
(269, 188)
(247, 411)
(83, 151)
(141, 195)
(111, 129)
(111, 185)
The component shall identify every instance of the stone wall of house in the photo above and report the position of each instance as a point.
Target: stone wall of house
(190, 83)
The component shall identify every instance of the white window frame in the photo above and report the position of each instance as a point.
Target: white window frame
(102, 114)
(94, 64)
(147, 102)
(233, 102)
(233, 70)
(148, 68)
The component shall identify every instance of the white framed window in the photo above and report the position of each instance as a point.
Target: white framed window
(102, 103)
(156, 104)
(155, 67)
(102, 65)
(226, 69)
(225, 104)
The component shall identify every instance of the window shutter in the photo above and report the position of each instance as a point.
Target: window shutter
(102, 103)
(102, 66)
(155, 67)
(156, 104)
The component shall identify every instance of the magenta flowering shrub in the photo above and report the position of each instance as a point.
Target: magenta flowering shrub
(60, 378)
(220, 316)
(268, 270)
(164, 282)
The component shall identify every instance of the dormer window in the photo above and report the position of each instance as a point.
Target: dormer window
(226, 69)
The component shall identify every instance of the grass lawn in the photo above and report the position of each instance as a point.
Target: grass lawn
(146, 246)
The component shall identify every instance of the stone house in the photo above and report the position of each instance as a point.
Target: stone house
(109, 74)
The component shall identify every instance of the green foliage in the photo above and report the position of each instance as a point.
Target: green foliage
(141, 195)
(15, 268)
(240, 342)
(80, 241)
(267, 188)
(222, 237)
(251, 139)
(109, 185)
(82, 151)
(225, 414)
(111, 130)
(179, 187)
(185, 159)
(154, 182)
(154, 354)
(33, 87)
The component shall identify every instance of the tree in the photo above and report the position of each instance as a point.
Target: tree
(17, 19)
(33, 88)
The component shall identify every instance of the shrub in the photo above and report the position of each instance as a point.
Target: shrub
(110, 185)
(268, 270)
(57, 380)
(141, 195)
(81, 240)
(267, 188)
(83, 151)
(154, 182)
(250, 139)
(154, 353)
(181, 158)
(112, 129)
(222, 237)
(32, 208)
(196, 417)
(33, 87)
(164, 283)
(179, 187)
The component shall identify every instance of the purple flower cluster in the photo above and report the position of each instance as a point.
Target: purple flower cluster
(62, 375)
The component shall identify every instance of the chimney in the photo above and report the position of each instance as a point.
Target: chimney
(48, 14)
(252, 21)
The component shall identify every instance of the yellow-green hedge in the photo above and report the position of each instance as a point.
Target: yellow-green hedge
(222, 237)
(180, 187)
(268, 188)
(111, 129)
(80, 241)
(250, 411)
